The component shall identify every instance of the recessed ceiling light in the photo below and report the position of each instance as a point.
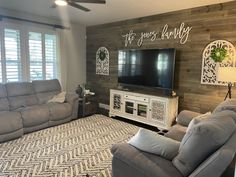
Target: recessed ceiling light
(61, 2)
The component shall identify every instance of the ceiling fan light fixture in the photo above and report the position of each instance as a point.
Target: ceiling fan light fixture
(61, 2)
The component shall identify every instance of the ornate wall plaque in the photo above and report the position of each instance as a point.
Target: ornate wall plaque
(209, 66)
(102, 61)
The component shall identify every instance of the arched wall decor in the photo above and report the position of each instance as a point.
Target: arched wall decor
(102, 61)
(209, 66)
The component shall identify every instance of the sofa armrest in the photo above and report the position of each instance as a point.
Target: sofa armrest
(73, 100)
(185, 117)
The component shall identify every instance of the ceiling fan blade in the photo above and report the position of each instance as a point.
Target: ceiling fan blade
(73, 4)
(91, 1)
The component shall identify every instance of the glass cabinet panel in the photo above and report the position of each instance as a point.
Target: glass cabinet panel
(142, 110)
(129, 107)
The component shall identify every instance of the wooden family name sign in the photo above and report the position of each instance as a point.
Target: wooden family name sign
(182, 33)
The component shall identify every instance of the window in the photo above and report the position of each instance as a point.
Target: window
(27, 55)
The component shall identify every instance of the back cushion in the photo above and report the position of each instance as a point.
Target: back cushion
(46, 89)
(229, 104)
(20, 94)
(202, 140)
(4, 104)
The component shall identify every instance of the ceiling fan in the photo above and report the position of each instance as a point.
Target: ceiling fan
(74, 3)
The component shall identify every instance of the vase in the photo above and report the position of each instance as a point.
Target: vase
(79, 90)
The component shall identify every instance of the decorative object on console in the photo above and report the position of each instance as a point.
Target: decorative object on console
(227, 74)
(213, 56)
(79, 91)
(102, 61)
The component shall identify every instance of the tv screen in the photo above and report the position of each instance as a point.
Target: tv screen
(149, 67)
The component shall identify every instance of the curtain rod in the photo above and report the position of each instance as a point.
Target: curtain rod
(32, 21)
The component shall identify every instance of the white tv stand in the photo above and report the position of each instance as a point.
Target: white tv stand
(148, 109)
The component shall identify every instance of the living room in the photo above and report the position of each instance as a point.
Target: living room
(125, 72)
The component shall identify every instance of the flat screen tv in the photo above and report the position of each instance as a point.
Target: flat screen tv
(147, 67)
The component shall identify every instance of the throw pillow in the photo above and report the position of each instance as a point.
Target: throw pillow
(202, 140)
(59, 98)
(151, 142)
(198, 119)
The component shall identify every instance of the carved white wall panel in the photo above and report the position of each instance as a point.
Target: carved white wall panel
(209, 66)
(102, 61)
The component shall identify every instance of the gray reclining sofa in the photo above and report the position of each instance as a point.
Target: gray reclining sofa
(24, 107)
(193, 159)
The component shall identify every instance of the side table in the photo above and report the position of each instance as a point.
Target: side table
(88, 105)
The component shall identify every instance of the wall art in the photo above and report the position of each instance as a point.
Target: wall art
(209, 66)
(102, 61)
(182, 33)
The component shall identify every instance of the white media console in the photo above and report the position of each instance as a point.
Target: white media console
(148, 109)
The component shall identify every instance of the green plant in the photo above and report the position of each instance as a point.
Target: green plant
(218, 54)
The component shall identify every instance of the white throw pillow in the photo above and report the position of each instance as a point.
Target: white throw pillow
(59, 98)
(198, 119)
(151, 142)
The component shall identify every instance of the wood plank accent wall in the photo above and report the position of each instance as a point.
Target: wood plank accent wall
(208, 23)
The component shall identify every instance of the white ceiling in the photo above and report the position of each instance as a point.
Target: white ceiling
(113, 10)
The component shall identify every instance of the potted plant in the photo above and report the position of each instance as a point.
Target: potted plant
(218, 54)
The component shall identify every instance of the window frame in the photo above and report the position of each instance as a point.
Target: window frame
(24, 30)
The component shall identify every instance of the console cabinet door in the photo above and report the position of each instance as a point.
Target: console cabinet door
(158, 110)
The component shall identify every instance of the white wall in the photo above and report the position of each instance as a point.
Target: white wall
(73, 48)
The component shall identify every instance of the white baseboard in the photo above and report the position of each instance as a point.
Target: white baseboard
(104, 106)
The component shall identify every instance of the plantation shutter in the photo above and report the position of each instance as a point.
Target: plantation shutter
(12, 55)
(50, 56)
(35, 56)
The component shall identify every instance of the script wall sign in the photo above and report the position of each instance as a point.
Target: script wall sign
(182, 33)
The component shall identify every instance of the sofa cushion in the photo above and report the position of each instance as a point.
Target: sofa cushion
(34, 115)
(217, 162)
(22, 101)
(176, 132)
(229, 104)
(20, 94)
(59, 111)
(46, 89)
(19, 89)
(41, 86)
(3, 91)
(185, 117)
(152, 142)
(10, 122)
(4, 104)
(202, 140)
(146, 163)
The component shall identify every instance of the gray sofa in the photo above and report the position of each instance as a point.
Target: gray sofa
(192, 160)
(24, 107)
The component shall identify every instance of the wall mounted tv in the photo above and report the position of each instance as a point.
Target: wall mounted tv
(147, 67)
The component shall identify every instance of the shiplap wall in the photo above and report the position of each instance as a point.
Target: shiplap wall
(208, 23)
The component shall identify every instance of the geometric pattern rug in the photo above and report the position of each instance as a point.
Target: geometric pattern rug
(73, 149)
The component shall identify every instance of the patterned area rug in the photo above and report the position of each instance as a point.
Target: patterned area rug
(74, 149)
